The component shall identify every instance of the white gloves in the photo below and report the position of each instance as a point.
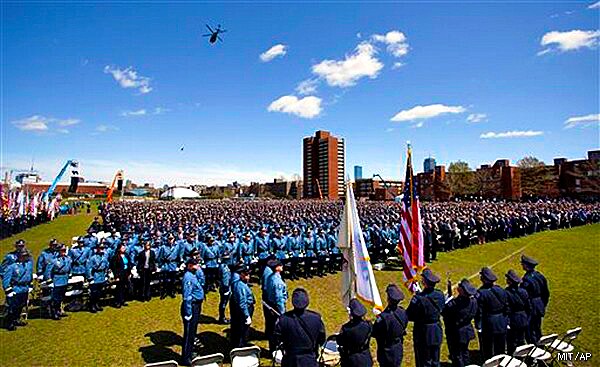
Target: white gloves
(10, 294)
(248, 320)
(187, 318)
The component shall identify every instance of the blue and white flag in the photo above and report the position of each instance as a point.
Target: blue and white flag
(358, 280)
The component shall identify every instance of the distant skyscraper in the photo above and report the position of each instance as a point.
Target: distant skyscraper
(323, 166)
(429, 164)
(357, 173)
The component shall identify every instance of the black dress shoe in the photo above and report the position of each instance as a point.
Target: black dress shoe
(11, 328)
(224, 321)
(20, 323)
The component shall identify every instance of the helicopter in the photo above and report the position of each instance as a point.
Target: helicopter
(214, 34)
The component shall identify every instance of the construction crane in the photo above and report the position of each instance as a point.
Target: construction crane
(319, 188)
(111, 189)
(70, 163)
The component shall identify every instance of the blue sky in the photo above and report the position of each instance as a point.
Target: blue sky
(121, 86)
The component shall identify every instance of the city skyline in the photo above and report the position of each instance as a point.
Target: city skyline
(136, 88)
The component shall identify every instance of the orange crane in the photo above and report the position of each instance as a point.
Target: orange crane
(111, 189)
(319, 188)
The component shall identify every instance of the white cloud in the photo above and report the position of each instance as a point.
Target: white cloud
(68, 122)
(278, 50)
(397, 65)
(395, 41)
(345, 73)
(418, 125)
(476, 117)
(33, 123)
(307, 107)
(160, 110)
(129, 78)
(569, 41)
(106, 128)
(140, 112)
(586, 120)
(308, 86)
(426, 112)
(595, 5)
(511, 134)
(38, 123)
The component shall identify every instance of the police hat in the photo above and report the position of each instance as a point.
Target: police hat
(394, 293)
(20, 243)
(300, 298)
(100, 246)
(466, 286)
(273, 263)
(191, 261)
(242, 269)
(512, 276)
(356, 308)
(429, 277)
(80, 239)
(528, 261)
(62, 247)
(488, 275)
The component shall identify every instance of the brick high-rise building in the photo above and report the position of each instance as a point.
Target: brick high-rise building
(323, 166)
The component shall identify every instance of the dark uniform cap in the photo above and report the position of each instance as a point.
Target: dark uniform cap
(100, 246)
(273, 263)
(191, 261)
(394, 293)
(80, 239)
(20, 243)
(467, 287)
(300, 298)
(242, 269)
(528, 260)
(430, 277)
(512, 275)
(487, 274)
(62, 247)
(356, 308)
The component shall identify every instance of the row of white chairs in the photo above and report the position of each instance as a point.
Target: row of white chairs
(541, 353)
(240, 357)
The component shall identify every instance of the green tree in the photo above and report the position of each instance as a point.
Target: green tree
(460, 179)
(536, 178)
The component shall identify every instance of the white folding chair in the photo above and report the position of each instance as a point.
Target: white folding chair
(520, 352)
(211, 360)
(245, 357)
(543, 349)
(170, 363)
(494, 361)
(566, 343)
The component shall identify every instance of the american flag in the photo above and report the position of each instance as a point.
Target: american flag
(411, 234)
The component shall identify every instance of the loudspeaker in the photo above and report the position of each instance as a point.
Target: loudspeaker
(119, 185)
(74, 184)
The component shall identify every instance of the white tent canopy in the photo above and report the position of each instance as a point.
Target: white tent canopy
(179, 193)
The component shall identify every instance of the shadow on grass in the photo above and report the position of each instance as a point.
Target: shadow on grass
(213, 343)
(160, 350)
(205, 319)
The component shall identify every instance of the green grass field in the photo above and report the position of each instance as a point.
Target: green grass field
(150, 332)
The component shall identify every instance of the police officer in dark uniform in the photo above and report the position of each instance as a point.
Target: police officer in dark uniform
(354, 338)
(389, 329)
(241, 307)
(458, 316)
(16, 281)
(519, 310)
(60, 270)
(491, 319)
(300, 333)
(424, 310)
(536, 286)
(191, 307)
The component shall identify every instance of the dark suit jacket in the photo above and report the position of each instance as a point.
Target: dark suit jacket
(117, 266)
(142, 260)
